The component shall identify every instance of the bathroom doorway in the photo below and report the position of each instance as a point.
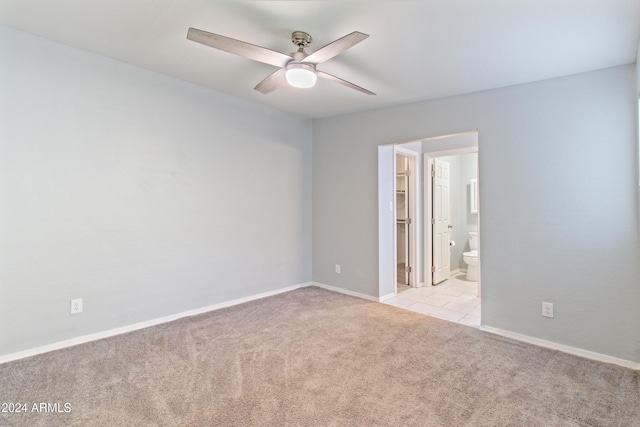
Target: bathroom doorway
(451, 192)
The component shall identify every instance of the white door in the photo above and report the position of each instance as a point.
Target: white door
(441, 221)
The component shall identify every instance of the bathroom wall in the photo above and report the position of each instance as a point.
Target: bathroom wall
(463, 169)
(468, 171)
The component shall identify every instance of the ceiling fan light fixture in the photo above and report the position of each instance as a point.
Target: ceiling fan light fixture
(301, 75)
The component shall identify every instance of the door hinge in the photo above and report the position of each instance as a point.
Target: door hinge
(433, 221)
(409, 269)
(408, 221)
(433, 171)
(433, 268)
(408, 172)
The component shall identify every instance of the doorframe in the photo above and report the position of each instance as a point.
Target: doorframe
(428, 206)
(415, 214)
(386, 223)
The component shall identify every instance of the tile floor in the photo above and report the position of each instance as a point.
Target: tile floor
(455, 299)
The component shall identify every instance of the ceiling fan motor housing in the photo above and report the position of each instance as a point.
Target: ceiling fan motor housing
(300, 39)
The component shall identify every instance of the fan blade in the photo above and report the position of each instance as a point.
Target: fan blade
(335, 79)
(272, 82)
(237, 47)
(334, 48)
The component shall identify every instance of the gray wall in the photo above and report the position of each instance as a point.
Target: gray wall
(129, 189)
(558, 222)
(638, 96)
(143, 195)
(638, 71)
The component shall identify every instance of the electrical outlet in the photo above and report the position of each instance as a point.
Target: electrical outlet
(76, 306)
(547, 309)
(338, 268)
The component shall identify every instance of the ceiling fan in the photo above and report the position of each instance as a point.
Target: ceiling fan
(297, 69)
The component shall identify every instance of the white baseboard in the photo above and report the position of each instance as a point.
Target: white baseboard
(346, 292)
(129, 328)
(117, 331)
(385, 297)
(563, 348)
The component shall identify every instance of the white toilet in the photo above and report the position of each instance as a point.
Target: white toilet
(472, 257)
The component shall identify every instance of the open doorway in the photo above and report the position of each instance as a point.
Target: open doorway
(451, 295)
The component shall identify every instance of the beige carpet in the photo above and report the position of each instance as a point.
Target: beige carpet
(316, 358)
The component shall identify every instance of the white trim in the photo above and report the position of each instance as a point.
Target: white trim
(124, 329)
(345, 291)
(563, 348)
(386, 297)
(427, 190)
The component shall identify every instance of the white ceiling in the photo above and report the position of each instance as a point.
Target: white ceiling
(417, 50)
